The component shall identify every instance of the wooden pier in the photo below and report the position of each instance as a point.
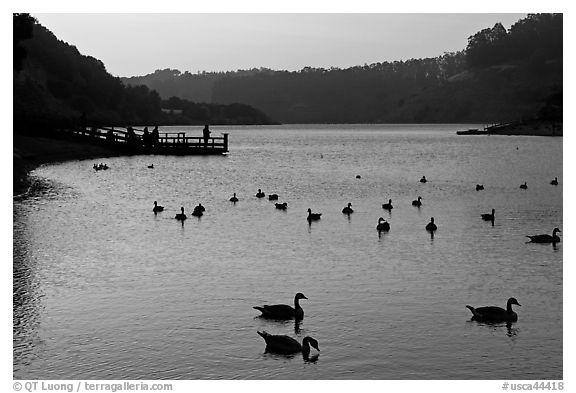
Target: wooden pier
(136, 141)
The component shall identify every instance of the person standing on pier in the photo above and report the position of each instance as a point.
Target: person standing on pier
(206, 134)
(155, 136)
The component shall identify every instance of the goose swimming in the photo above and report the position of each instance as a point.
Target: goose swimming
(313, 216)
(273, 197)
(423, 180)
(495, 314)
(488, 217)
(387, 206)
(382, 225)
(157, 208)
(181, 216)
(283, 311)
(524, 186)
(348, 209)
(234, 198)
(151, 166)
(479, 187)
(287, 345)
(281, 206)
(431, 226)
(417, 202)
(260, 194)
(554, 182)
(545, 238)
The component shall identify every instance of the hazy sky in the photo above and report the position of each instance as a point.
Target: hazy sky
(138, 44)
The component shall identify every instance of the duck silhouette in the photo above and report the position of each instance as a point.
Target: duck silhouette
(281, 206)
(181, 216)
(273, 197)
(423, 179)
(286, 345)
(157, 208)
(382, 225)
(495, 314)
(348, 209)
(283, 311)
(151, 166)
(313, 216)
(387, 206)
(545, 238)
(524, 186)
(488, 216)
(554, 182)
(234, 198)
(417, 202)
(260, 194)
(479, 187)
(431, 226)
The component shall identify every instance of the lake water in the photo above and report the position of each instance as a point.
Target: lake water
(105, 289)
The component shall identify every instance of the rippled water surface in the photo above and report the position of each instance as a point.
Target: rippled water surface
(105, 289)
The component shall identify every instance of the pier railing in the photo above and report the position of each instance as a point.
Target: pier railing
(138, 141)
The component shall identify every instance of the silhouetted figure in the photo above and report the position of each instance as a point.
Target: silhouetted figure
(131, 138)
(423, 180)
(545, 238)
(417, 202)
(155, 136)
(313, 216)
(181, 216)
(234, 198)
(273, 197)
(146, 137)
(388, 206)
(206, 135)
(151, 166)
(157, 208)
(431, 227)
(348, 209)
(260, 194)
(281, 206)
(382, 225)
(488, 216)
(287, 345)
(495, 314)
(554, 182)
(524, 186)
(283, 311)
(479, 187)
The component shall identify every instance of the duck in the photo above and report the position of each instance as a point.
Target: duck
(417, 202)
(387, 206)
(151, 166)
(479, 187)
(198, 210)
(181, 216)
(382, 225)
(554, 182)
(488, 216)
(313, 216)
(234, 198)
(495, 314)
(545, 238)
(431, 226)
(348, 209)
(423, 179)
(281, 206)
(287, 345)
(273, 197)
(358, 177)
(260, 194)
(283, 311)
(524, 186)
(157, 208)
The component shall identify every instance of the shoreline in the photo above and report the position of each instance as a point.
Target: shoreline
(29, 152)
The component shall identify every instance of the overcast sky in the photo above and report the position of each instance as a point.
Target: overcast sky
(138, 44)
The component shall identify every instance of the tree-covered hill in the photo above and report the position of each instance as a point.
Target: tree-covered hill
(54, 84)
(500, 76)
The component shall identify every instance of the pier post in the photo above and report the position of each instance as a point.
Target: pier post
(225, 135)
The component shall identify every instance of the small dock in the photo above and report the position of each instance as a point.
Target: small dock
(136, 141)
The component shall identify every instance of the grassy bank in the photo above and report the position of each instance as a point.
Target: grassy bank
(29, 152)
